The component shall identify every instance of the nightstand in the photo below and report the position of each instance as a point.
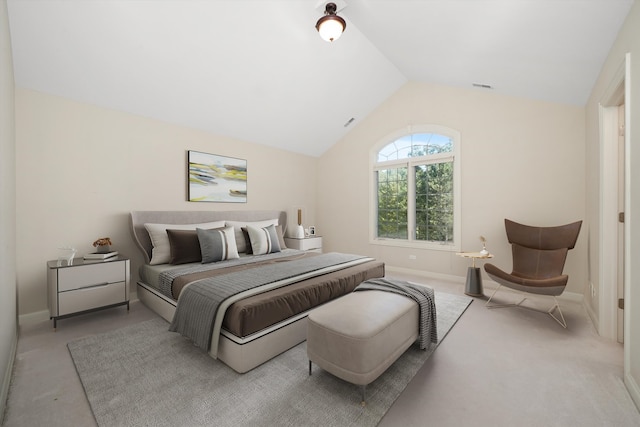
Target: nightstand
(311, 243)
(86, 285)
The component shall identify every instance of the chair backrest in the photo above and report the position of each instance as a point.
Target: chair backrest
(540, 252)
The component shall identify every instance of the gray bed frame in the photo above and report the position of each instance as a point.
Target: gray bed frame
(241, 354)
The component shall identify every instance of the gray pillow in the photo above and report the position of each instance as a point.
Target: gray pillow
(264, 240)
(247, 239)
(217, 245)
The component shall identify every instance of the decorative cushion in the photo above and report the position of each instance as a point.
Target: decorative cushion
(280, 237)
(247, 240)
(217, 244)
(240, 241)
(264, 240)
(161, 252)
(184, 246)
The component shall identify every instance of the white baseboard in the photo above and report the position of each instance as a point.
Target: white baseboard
(592, 315)
(31, 318)
(572, 296)
(427, 274)
(8, 372)
(632, 388)
(488, 284)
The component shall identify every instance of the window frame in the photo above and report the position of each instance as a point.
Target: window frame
(410, 163)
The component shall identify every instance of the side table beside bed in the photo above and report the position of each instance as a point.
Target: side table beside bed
(473, 285)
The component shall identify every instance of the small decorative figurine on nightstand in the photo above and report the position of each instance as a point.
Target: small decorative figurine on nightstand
(484, 250)
(102, 245)
(69, 253)
(103, 250)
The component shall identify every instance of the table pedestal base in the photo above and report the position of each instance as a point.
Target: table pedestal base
(473, 286)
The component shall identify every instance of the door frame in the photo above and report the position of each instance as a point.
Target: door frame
(607, 299)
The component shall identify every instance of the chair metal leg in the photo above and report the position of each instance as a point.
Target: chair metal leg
(494, 305)
(561, 321)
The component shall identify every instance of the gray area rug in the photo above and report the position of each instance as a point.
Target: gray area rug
(144, 375)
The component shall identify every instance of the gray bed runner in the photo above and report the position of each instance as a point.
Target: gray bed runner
(166, 277)
(197, 316)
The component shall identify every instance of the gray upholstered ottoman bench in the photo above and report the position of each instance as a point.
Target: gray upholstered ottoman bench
(358, 336)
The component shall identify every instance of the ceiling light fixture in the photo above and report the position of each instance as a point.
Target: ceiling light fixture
(330, 26)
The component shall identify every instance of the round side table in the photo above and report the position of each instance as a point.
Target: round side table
(473, 286)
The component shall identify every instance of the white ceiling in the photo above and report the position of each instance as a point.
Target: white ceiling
(256, 70)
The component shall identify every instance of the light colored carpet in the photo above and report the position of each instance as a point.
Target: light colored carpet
(144, 375)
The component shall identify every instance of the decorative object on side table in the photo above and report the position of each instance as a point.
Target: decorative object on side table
(102, 245)
(298, 232)
(66, 257)
(473, 285)
(101, 255)
(484, 250)
(103, 249)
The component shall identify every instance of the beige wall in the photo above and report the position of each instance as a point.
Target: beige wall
(8, 318)
(81, 169)
(628, 41)
(521, 159)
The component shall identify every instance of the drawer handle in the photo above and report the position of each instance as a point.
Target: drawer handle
(97, 285)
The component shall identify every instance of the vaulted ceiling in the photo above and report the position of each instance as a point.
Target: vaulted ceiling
(256, 70)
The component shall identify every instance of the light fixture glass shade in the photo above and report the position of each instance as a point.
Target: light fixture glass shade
(330, 27)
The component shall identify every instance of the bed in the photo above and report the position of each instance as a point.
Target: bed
(267, 313)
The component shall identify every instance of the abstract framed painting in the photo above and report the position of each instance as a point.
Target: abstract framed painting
(214, 178)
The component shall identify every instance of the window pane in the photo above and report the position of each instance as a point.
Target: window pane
(434, 202)
(440, 144)
(392, 203)
(431, 188)
(415, 145)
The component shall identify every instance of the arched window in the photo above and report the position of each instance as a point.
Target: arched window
(416, 189)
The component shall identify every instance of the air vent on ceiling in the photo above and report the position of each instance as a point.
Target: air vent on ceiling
(349, 122)
(482, 85)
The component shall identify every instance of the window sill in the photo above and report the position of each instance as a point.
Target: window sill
(448, 247)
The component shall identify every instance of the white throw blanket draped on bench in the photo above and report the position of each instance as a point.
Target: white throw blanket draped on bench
(423, 295)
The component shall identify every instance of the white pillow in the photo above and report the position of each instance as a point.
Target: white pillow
(161, 252)
(237, 225)
(263, 240)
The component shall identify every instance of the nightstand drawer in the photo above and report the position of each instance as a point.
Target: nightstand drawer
(91, 297)
(88, 275)
(306, 244)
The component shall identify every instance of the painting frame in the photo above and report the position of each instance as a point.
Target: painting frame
(216, 178)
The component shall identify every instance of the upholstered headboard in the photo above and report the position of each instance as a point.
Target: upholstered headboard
(139, 218)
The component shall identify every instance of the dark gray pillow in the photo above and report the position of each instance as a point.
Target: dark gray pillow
(184, 246)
